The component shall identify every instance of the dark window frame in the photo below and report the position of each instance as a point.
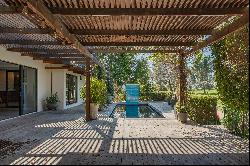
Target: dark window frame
(71, 89)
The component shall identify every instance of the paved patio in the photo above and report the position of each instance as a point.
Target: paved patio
(65, 138)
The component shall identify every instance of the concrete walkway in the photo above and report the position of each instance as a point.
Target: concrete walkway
(65, 138)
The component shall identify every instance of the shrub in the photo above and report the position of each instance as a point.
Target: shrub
(202, 110)
(235, 122)
(156, 96)
(53, 99)
(98, 91)
(181, 109)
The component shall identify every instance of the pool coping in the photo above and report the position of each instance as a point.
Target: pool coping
(164, 115)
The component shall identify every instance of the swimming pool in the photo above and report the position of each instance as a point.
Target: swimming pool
(144, 111)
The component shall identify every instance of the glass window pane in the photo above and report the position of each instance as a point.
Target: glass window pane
(71, 89)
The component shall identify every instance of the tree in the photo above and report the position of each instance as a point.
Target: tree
(201, 71)
(125, 68)
(165, 70)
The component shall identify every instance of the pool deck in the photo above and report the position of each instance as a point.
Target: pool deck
(63, 137)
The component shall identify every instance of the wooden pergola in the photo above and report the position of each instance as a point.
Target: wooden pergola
(69, 31)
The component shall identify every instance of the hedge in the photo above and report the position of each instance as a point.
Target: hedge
(202, 110)
(156, 96)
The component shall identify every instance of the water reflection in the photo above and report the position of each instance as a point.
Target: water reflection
(135, 111)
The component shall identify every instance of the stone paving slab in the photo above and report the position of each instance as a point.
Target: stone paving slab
(65, 138)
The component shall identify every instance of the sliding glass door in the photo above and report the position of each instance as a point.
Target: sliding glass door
(28, 90)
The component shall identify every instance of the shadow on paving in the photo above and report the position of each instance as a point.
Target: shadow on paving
(101, 141)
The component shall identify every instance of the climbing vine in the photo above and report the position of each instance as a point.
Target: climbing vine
(231, 76)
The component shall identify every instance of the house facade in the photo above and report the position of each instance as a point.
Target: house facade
(25, 83)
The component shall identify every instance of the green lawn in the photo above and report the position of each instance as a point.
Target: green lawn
(201, 92)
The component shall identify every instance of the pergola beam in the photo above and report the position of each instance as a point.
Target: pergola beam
(38, 7)
(58, 61)
(53, 55)
(220, 34)
(131, 51)
(28, 42)
(68, 67)
(130, 11)
(58, 58)
(54, 68)
(36, 50)
(137, 43)
(146, 11)
(109, 32)
(140, 32)
(10, 10)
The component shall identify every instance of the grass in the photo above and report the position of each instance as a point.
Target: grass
(212, 92)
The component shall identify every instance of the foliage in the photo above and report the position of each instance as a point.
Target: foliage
(233, 120)
(53, 99)
(201, 71)
(98, 91)
(165, 70)
(157, 96)
(202, 110)
(146, 91)
(210, 92)
(231, 75)
(181, 109)
(125, 68)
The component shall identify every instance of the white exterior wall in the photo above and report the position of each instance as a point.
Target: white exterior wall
(43, 76)
(59, 86)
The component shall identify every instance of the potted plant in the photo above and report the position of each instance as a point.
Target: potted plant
(182, 114)
(98, 93)
(52, 101)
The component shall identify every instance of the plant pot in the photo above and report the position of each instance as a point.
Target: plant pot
(182, 117)
(52, 106)
(93, 110)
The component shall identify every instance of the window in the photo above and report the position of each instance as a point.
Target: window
(71, 89)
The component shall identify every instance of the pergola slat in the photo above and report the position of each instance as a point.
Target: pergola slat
(146, 11)
(25, 30)
(39, 8)
(219, 34)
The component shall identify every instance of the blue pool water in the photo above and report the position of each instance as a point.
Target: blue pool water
(140, 111)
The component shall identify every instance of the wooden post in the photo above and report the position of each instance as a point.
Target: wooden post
(88, 96)
(182, 81)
